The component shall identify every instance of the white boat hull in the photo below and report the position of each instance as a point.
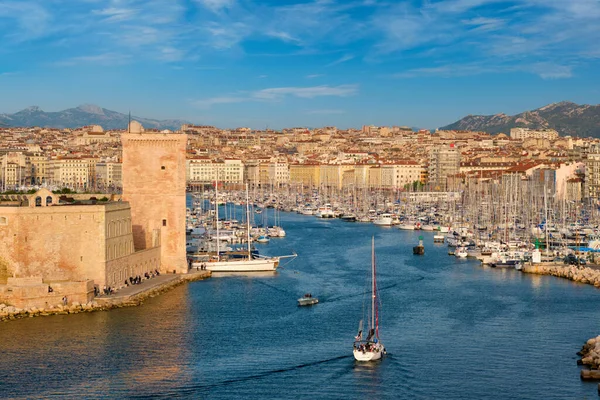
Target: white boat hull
(258, 265)
(360, 355)
(406, 227)
(383, 222)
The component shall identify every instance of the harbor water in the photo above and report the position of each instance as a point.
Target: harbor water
(453, 330)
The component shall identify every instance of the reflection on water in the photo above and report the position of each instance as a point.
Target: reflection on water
(259, 274)
(453, 330)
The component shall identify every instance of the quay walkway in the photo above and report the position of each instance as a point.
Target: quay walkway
(148, 287)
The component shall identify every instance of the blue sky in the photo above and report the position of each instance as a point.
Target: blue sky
(284, 63)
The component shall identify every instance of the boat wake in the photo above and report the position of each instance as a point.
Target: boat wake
(193, 389)
(276, 288)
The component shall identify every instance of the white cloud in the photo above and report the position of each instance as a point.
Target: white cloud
(114, 14)
(306, 92)
(207, 103)
(105, 59)
(217, 5)
(343, 59)
(313, 76)
(550, 71)
(276, 94)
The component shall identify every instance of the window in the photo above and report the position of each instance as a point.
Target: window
(163, 167)
(3, 221)
(164, 222)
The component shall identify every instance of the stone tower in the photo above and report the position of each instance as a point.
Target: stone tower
(154, 183)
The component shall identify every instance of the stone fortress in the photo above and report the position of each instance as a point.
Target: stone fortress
(51, 248)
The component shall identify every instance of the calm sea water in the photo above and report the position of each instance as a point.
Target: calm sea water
(453, 330)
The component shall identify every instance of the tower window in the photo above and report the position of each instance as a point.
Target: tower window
(163, 167)
(164, 222)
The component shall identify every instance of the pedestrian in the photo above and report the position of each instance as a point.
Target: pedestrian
(64, 300)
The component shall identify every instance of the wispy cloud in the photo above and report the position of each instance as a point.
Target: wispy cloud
(313, 76)
(280, 93)
(113, 14)
(105, 59)
(306, 92)
(216, 5)
(550, 71)
(212, 101)
(546, 70)
(343, 59)
(11, 73)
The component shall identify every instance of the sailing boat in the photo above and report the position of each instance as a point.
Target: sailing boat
(251, 264)
(370, 349)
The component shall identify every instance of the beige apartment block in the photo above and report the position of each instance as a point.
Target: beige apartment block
(306, 174)
(154, 182)
(524, 133)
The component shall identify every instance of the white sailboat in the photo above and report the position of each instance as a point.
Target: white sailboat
(370, 349)
(249, 264)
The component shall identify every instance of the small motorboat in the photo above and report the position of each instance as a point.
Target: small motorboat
(262, 239)
(307, 300)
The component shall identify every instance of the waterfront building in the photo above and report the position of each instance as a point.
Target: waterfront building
(204, 170)
(38, 167)
(308, 174)
(279, 173)
(399, 174)
(109, 174)
(592, 172)
(443, 162)
(72, 172)
(14, 171)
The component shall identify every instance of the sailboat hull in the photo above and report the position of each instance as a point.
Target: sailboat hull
(375, 354)
(259, 265)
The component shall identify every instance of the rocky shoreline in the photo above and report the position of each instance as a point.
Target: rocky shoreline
(585, 275)
(590, 357)
(10, 313)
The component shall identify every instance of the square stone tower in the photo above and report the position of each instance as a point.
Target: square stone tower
(154, 183)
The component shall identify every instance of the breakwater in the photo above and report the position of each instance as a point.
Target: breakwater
(103, 303)
(574, 273)
(590, 357)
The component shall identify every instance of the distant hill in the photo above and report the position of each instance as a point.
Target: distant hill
(86, 114)
(566, 117)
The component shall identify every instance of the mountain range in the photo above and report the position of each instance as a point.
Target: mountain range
(86, 114)
(566, 117)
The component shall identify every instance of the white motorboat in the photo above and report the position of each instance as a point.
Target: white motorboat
(325, 211)
(307, 300)
(384, 219)
(461, 252)
(370, 349)
(407, 226)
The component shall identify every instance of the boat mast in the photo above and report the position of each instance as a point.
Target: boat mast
(217, 212)
(248, 222)
(373, 283)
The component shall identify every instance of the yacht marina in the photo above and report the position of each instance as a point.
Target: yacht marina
(502, 224)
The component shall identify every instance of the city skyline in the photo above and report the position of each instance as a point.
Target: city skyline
(287, 63)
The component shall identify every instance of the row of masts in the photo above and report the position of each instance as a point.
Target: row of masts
(510, 209)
